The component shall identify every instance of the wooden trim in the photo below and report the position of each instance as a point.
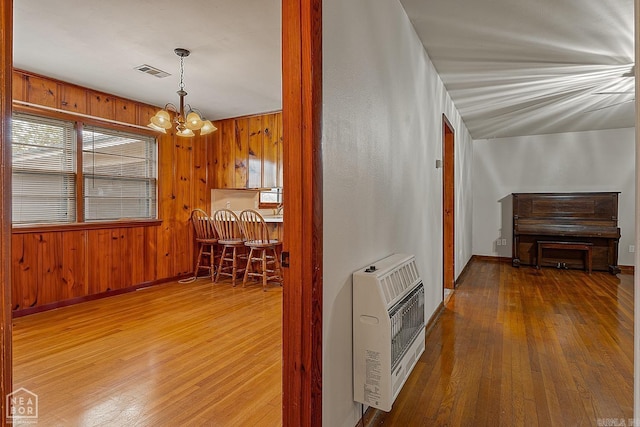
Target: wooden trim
(55, 113)
(6, 61)
(448, 205)
(79, 175)
(627, 269)
(464, 272)
(91, 297)
(249, 115)
(77, 226)
(302, 299)
(506, 260)
(432, 320)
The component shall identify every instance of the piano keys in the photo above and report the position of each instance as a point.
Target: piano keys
(567, 217)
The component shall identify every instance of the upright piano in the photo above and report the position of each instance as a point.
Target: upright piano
(590, 218)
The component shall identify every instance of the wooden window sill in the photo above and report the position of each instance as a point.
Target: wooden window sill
(45, 228)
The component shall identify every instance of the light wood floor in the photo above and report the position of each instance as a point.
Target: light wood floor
(173, 355)
(518, 347)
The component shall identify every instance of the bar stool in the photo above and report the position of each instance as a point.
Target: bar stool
(262, 249)
(230, 238)
(206, 239)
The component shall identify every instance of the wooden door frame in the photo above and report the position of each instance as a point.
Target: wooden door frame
(302, 295)
(448, 205)
(302, 304)
(6, 59)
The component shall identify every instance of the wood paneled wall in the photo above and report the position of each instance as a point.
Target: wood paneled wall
(47, 92)
(50, 266)
(249, 152)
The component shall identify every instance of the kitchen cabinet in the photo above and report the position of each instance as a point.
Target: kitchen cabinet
(249, 152)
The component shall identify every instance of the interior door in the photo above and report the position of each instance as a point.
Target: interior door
(448, 205)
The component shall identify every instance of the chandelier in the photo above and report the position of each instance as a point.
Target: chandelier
(185, 123)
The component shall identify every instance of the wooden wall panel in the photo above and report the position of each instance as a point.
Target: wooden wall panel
(125, 111)
(270, 160)
(18, 84)
(145, 112)
(42, 91)
(254, 180)
(49, 266)
(201, 197)
(101, 105)
(249, 163)
(241, 156)
(121, 261)
(224, 165)
(99, 247)
(25, 274)
(182, 233)
(74, 265)
(279, 141)
(150, 258)
(74, 99)
(166, 205)
(135, 256)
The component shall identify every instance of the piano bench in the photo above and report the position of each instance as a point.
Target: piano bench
(574, 246)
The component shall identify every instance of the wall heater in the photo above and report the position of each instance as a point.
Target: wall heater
(388, 328)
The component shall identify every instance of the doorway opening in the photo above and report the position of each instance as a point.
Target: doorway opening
(448, 209)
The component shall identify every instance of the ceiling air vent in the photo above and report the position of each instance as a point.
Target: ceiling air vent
(148, 69)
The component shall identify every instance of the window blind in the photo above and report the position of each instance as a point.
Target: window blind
(120, 175)
(43, 175)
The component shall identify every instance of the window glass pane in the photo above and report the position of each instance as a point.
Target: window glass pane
(43, 151)
(119, 175)
(116, 198)
(272, 196)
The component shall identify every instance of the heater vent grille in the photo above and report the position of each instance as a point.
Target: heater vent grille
(399, 280)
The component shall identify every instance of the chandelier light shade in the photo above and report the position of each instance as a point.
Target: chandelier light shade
(187, 123)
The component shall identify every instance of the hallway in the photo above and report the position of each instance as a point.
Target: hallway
(525, 347)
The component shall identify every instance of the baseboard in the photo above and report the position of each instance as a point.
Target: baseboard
(486, 258)
(627, 269)
(370, 418)
(78, 300)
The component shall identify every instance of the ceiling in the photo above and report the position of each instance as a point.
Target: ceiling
(512, 67)
(532, 67)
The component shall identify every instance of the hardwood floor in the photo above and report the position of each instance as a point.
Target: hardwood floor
(173, 355)
(525, 347)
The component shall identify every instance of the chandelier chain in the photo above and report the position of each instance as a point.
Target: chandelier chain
(181, 73)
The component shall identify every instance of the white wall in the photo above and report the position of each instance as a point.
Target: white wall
(382, 133)
(579, 161)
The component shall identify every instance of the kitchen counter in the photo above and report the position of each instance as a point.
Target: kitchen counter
(272, 218)
(268, 217)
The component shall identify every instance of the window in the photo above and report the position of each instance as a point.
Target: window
(119, 175)
(271, 198)
(114, 177)
(43, 182)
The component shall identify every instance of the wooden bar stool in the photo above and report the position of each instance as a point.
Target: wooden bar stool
(206, 239)
(262, 249)
(230, 238)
